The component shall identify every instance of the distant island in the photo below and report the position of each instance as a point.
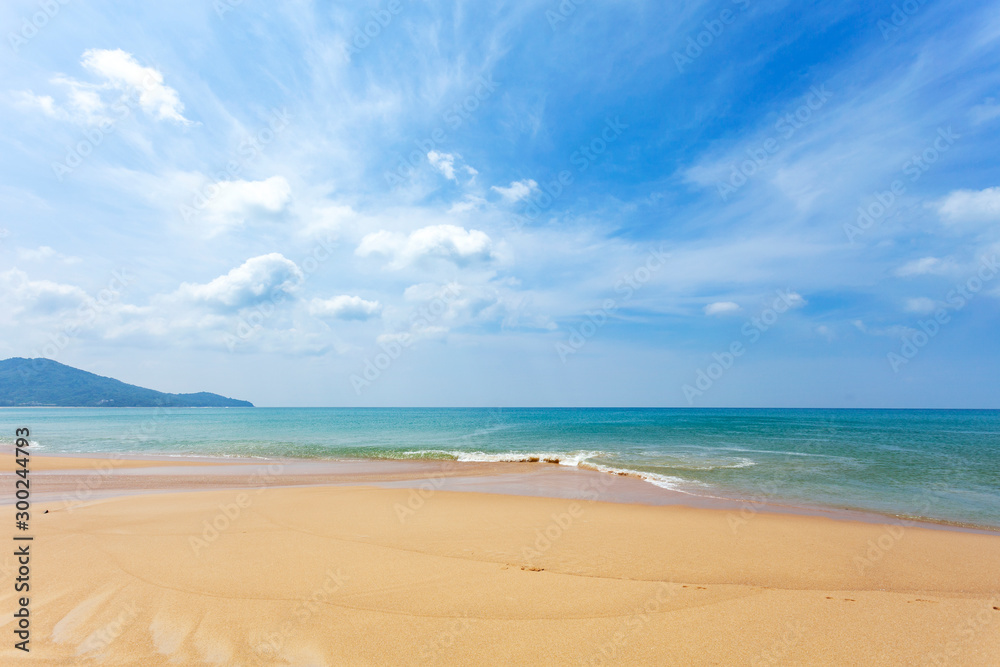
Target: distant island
(47, 383)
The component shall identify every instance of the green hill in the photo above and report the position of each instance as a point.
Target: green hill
(43, 382)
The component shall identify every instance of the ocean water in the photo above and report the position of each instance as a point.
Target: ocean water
(931, 464)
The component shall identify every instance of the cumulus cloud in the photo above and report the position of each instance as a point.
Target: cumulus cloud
(443, 162)
(234, 202)
(448, 242)
(971, 206)
(722, 308)
(39, 297)
(119, 71)
(125, 73)
(517, 190)
(345, 308)
(268, 277)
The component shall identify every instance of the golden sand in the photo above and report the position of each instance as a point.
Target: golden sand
(355, 575)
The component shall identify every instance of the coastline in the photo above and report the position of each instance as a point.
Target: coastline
(255, 562)
(133, 473)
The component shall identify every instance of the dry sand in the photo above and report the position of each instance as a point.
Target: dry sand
(343, 575)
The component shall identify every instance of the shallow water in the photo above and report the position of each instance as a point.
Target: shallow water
(934, 464)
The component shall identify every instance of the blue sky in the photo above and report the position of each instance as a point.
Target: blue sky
(525, 203)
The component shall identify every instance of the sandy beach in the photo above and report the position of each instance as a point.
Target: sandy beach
(278, 570)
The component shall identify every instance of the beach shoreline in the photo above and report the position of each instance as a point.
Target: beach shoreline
(108, 474)
(378, 567)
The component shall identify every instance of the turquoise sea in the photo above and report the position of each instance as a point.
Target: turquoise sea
(934, 464)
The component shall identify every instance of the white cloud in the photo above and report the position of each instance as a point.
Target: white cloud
(922, 266)
(921, 305)
(794, 299)
(268, 277)
(236, 201)
(125, 73)
(43, 253)
(971, 206)
(28, 100)
(987, 111)
(894, 331)
(39, 297)
(517, 190)
(449, 242)
(444, 162)
(722, 308)
(84, 104)
(345, 308)
(328, 220)
(468, 203)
